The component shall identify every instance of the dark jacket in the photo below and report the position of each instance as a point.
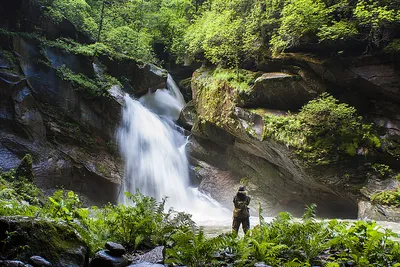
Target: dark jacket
(241, 202)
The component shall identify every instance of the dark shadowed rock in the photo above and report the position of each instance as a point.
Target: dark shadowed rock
(11, 263)
(115, 249)
(38, 261)
(9, 80)
(138, 79)
(57, 242)
(277, 91)
(103, 259)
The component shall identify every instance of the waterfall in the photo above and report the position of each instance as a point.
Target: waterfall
(155, 159)
(171, 85)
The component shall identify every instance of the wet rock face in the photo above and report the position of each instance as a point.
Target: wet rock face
(70, 136)
(57, 243)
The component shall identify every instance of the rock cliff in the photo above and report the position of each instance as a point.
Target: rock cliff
(228, 146)
(63, 107)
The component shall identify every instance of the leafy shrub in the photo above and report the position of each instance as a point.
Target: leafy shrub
(323, 131)
(340, 30)
(299, 18)
(375, 18)
(191, 248)
(76, 11)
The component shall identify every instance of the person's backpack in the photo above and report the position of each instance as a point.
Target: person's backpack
(241, 210)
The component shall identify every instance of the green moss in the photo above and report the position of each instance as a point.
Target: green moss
(89, 50)
(55, 241)
(95, 87)
(24, 170)
(102, 169)
(77, 80)
(382, 170)
(389, 198)
(240, 80)
(323, 132)
(217, 94)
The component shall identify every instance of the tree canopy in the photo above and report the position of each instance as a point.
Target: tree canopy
(230, 31)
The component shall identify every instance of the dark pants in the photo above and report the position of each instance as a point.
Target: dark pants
(245, 224)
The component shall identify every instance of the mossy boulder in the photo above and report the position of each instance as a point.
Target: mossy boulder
(24, 237)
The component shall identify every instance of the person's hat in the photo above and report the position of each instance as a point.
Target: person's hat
(242, 188)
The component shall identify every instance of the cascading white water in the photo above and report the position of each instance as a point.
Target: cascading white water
(155, 160)
(171, 85)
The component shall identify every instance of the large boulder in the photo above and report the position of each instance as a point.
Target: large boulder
(56, 242)
(103, 258)
(276, 90)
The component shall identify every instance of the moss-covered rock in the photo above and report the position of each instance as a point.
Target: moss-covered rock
(24, 170)
(24, 237)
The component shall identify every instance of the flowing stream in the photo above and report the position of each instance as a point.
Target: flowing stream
(153, 147)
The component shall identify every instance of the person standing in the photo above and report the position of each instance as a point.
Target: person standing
(241, 214)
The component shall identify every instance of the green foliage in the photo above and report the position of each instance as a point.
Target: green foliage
(390, 198)
(393, 47)
(95, 87)
(18, 196)
(191, 248)
(62, 206)
(283, 242)
(323, 131)
(76, 11)
(299, 19)
(136, 44)
(226, 33)
(339, 30)
(231, 31)
(375, 18)
(24, 170)
(382, 170)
